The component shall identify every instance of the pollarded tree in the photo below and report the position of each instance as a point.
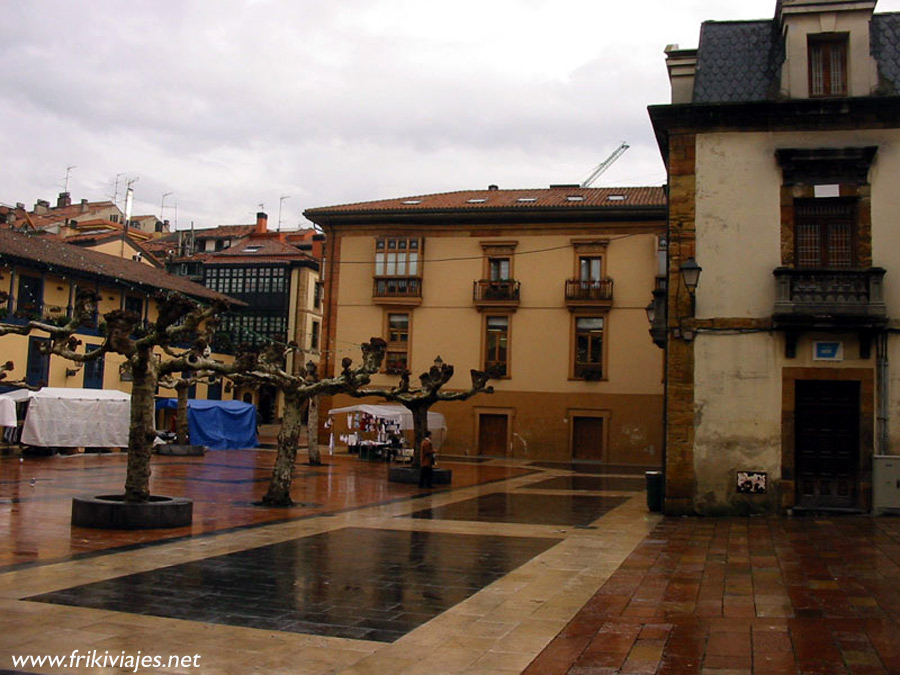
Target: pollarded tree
(180, 320)
(265, 367)
(419, 400)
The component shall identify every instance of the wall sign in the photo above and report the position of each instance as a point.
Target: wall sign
(828, 351)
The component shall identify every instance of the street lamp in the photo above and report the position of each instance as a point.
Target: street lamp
(438, 362)
(690, 272)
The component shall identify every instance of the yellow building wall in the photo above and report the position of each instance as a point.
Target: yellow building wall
(539, 394)
(58, 294)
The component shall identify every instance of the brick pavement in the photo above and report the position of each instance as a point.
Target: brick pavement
(753, 595)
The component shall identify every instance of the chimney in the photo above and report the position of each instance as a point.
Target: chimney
(84, 205)
(682, 67)
(63, 200)
(41, 206)
(261, 223)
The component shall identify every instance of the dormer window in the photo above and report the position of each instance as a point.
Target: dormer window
(828, 65)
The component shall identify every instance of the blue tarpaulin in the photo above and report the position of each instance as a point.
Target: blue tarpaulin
(219, 425)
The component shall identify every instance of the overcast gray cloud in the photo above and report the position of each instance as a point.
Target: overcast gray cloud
(228, 104)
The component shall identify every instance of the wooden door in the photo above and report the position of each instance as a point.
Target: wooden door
(492, 435)
(827, 443)
(587, 438)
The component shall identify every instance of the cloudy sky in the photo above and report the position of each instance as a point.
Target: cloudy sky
(226, 105)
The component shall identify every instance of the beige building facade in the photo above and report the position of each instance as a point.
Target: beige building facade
(781, 145)
(545, 289)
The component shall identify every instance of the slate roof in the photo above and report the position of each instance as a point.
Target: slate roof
(561, 197)
(64, 258)
(884, 35)
(738, 61)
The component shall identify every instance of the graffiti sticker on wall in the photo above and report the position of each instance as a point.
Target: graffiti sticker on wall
(751, 482)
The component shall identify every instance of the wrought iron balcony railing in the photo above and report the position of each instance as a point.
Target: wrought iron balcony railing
(589, 291)
(494, 293)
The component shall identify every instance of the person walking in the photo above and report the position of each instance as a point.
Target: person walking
(426, 462)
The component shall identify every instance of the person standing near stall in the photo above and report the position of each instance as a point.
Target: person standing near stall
(426, 461)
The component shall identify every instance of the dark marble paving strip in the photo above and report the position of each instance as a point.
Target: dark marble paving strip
(319, 584)
(532, 509)
(594, 467)
(597, 483)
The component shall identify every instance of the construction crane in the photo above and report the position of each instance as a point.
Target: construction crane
(605, 164)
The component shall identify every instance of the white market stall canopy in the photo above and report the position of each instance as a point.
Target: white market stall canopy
(74, 418)
(394, 413)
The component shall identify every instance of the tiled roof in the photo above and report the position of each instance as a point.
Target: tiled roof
(885, 48)
(80, 261)
(738, 61)
(224, 232)
(561, 197)
(258, 249)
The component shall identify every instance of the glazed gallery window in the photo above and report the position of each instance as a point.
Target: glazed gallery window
(397, 256)
(588, 359)
(827, 65)
(496, 353)
(246, 280)
(397, 355)
(825, 233)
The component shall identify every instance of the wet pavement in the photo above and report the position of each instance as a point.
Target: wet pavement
(517, 567)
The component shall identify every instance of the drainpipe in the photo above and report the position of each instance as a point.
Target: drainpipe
(882, 407)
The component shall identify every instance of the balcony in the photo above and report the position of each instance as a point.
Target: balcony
(397, 291)
(830, 298)
(487, 293)
(589, 292)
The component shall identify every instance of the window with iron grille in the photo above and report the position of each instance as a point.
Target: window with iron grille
(825, 233)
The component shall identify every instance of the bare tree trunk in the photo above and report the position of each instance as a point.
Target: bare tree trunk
(141, 432)
(420, 426)
(312, 431)
(279, 493)
(181, 414)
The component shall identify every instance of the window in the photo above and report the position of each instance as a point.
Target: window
(37, 369)
(30, 296)
(317, 295)
(314, 336)
(589, 347)
(827, 65)
(496, 356)
(93, 370)
(498, 269)
(825, 233)
(397, 356)
(590, 268)
(397, 256)
(134, 304)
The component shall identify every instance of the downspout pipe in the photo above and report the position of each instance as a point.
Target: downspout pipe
(882, 368)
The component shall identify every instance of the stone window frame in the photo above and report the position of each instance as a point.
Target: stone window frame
(805, 169)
